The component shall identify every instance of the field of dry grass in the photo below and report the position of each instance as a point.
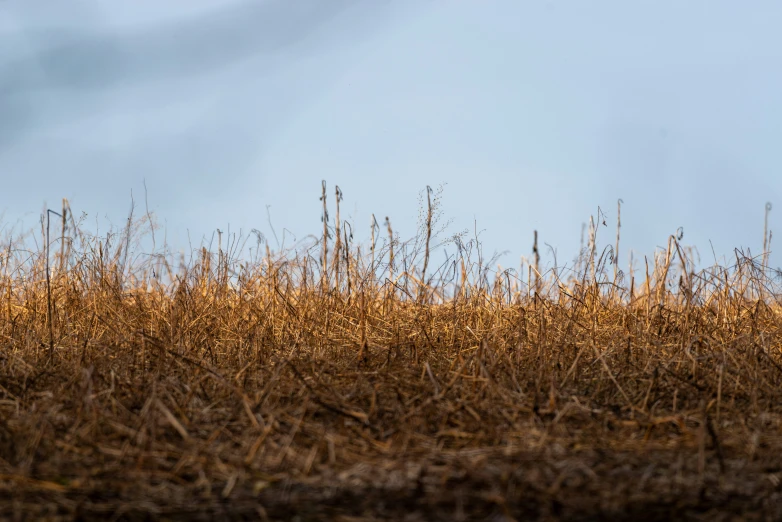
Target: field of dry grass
(344, 381)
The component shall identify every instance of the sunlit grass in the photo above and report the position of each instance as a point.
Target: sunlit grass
(369, 380)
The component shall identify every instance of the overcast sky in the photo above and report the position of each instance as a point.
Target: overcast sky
(533, 113)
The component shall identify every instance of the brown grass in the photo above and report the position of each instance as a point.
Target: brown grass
(262, 386)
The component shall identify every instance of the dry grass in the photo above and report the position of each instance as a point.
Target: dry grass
(259, 386)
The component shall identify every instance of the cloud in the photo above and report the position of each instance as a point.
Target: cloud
(90, 59)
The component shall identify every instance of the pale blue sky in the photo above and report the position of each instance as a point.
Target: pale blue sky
(533, 113)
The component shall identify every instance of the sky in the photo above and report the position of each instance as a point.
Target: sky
(531, 115)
